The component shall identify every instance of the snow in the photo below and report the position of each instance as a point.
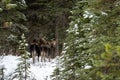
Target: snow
(2, 66)
(39, 70)
(87, 67)
(87, 14)
(10, 63)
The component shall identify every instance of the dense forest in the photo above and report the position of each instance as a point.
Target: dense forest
(87, 32)
(92, 47)
(36, 19)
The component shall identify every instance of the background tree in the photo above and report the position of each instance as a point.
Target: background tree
(11, 23)
(45, 16)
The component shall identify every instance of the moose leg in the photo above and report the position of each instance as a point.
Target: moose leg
(38, 56)
(33, 56)
(44, 55)
(49, 58)
(48, 54)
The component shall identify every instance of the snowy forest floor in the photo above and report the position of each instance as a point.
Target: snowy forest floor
(39, 70)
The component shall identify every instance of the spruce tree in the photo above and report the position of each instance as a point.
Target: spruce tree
(11, 23)
(92, 47)
(105, 39)
(74, 45)
(22, 72)
(2, 68)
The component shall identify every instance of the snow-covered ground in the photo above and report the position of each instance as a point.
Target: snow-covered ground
(39, 70)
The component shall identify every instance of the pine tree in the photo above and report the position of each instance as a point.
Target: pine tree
(74, 46)
(2, 72)
(22, 72)
(106, 65)
(11, 22)
(105, 32)
(94, 23)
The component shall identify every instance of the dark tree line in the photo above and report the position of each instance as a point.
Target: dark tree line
(36, 19)
(45, 15)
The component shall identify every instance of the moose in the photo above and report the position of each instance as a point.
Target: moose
(43, 48)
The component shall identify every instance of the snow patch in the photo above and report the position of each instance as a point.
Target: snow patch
(39, 70)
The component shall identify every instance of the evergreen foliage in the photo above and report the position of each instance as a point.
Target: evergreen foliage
(22, 72)
(92, 43)
(2, 68)
(106, 65)
(11, 23)
(11, 11)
